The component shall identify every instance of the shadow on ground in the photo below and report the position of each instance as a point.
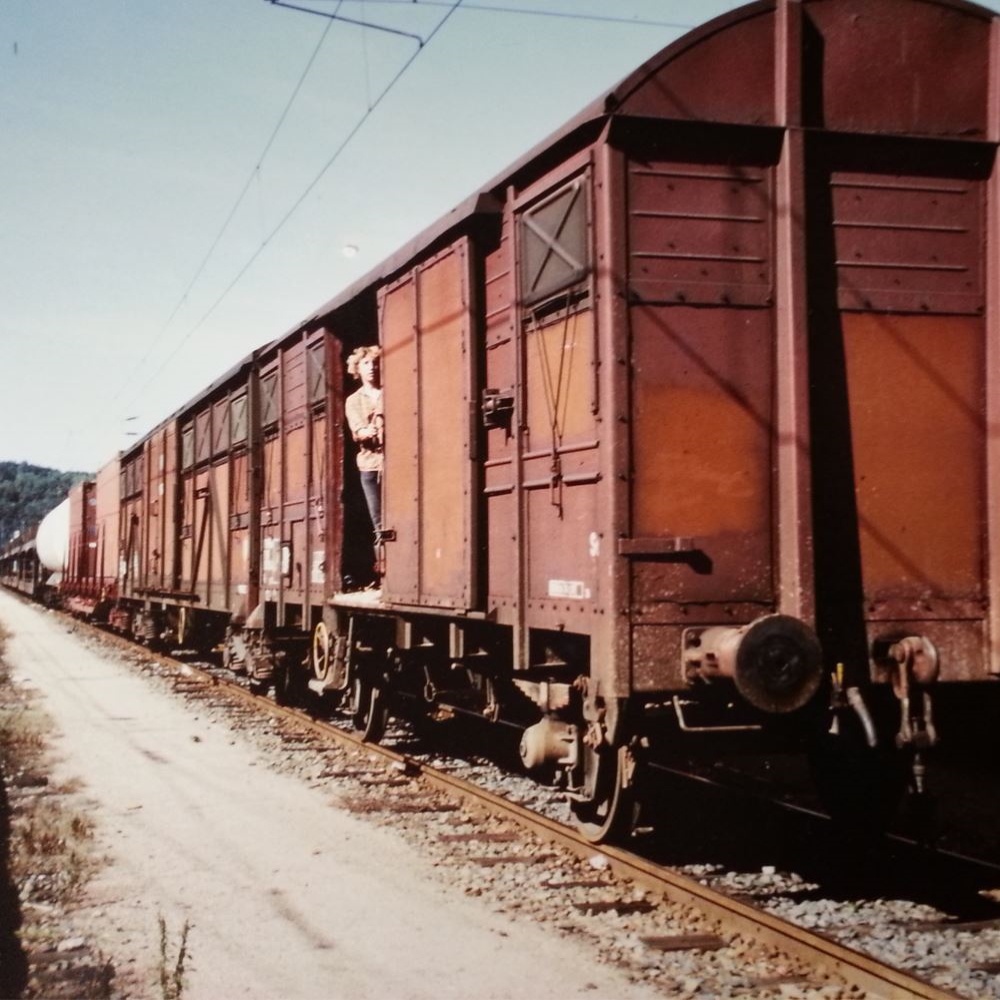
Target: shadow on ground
(13, 962)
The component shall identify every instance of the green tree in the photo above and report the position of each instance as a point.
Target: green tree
(29, 492)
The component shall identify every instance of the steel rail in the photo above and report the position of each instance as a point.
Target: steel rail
(793, 807)
(819, 951)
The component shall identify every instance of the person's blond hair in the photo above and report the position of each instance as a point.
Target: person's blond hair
(359, 354)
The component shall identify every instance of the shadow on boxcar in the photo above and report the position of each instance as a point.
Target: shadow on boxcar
(839, 590)
(869, 347)
(860, 784)
(738, 829)
(963, 774)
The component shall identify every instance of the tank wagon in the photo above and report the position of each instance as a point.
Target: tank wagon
(686, 422)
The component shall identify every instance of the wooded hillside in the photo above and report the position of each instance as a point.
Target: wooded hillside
(28, 493)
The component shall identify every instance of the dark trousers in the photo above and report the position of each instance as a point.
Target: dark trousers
(371, 483)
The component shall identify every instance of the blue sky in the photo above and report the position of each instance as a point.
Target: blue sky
(130, 129)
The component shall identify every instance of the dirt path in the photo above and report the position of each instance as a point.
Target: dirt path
(286, 895)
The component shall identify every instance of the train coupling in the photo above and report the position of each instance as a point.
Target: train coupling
(850, 699)
(775, 661)
(914, 665)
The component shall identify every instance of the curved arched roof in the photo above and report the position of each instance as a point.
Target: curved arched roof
(918, 67)
(885, 67)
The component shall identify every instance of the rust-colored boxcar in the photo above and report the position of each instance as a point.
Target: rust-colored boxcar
(80, 587)
(697, 392)
(107, 502)
(692, 401)
(224, 509)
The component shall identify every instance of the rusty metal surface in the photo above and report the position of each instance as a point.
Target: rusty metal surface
(787, 360)
(446, 385)
(188, 522)
(915, 391)
(400, 364)
(897, 66)
(899, 478)
(290, 443)
(428, 379)
(906, 241)
(160, 524)
(156, 571)
(793, 494)
(106, 516)
(701, 453)
(898, 343)
(80, 571)
(560, 464)
(501, 440)
(700, 232)
(875, 229)
(684, 81)
(239, 533)
(218, 553)
(701, 272)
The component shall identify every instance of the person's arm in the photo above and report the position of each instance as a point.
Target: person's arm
(361, 429)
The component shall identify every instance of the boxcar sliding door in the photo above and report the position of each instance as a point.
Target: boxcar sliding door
(425, 321)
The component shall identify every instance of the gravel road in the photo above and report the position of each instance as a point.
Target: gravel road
(285, 893)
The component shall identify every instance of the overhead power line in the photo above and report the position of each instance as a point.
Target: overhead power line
(347, 20)
(254, 173)
(452, 6)
(302, 197)
(528, 11)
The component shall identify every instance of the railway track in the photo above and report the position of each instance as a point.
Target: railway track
(658, 910)
(791, 834)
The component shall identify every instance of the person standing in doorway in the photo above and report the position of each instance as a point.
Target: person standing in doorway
(366, 420)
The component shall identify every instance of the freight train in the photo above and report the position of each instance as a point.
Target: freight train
(687, 425)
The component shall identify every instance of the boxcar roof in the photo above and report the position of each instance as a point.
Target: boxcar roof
(904, 67)
(886, 66)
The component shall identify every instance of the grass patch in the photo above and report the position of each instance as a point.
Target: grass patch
(48, 856)
(23, 728)
(49, 849)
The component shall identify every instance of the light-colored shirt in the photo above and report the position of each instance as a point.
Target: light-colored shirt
(363, 410)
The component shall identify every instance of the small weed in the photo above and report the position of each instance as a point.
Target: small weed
(99, 979)
(172, 974)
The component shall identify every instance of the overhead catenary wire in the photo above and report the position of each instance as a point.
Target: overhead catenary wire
(529, 11)
(298, 201)
(347, 20)
(421, 42)
(254, 175)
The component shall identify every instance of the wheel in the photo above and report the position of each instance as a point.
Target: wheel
(320, 658)
(257, 686)
(608, 810)
(258, 679)
(234, 653)
(289, 685)
(370, 709)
